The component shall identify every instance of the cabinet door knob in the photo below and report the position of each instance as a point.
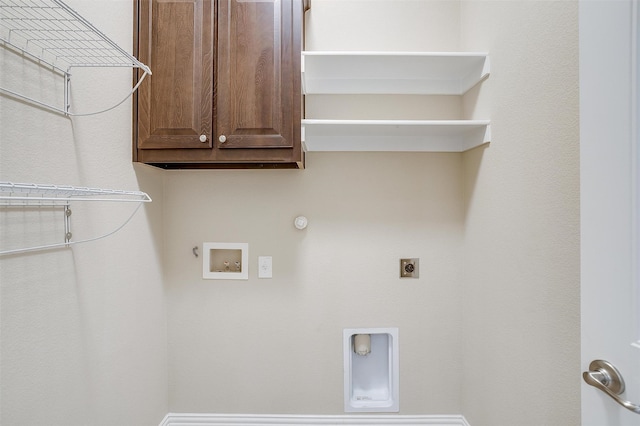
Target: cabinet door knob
(222, 138)
(203, 138)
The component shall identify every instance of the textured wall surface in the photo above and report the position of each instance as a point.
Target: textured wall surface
(522, 267)
(275, 345)
(83, 330)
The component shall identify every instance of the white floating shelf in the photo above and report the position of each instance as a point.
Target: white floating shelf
(421, 73)
(395, 135)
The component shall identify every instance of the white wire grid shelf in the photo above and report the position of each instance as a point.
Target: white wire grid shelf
(38, 194)
(54, 35)
(14, 195)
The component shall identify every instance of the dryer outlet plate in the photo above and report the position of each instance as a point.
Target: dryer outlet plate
(409, 268)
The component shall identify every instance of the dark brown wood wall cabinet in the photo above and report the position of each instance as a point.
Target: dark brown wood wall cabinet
(225, 89)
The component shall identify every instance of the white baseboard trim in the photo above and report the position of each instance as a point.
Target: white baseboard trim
(187, 419)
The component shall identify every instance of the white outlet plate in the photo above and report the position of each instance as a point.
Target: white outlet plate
(265, 267)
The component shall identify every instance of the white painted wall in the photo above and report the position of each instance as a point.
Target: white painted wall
(275, 346)
(83, 330)
(521, 287)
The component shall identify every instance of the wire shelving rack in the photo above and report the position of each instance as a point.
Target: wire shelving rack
(37, 195)
(56, 36)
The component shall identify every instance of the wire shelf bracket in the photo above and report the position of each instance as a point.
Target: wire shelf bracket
(37, 195)
(53, 34)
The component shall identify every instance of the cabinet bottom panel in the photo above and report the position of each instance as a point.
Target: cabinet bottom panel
(217, 159)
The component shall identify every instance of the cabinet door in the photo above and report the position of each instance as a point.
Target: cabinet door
(175, 103)
(258, 80)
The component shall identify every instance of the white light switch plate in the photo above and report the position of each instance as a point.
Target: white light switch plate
(265, 269)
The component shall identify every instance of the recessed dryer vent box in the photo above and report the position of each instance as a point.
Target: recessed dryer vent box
(371, 370)
(225, 261)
